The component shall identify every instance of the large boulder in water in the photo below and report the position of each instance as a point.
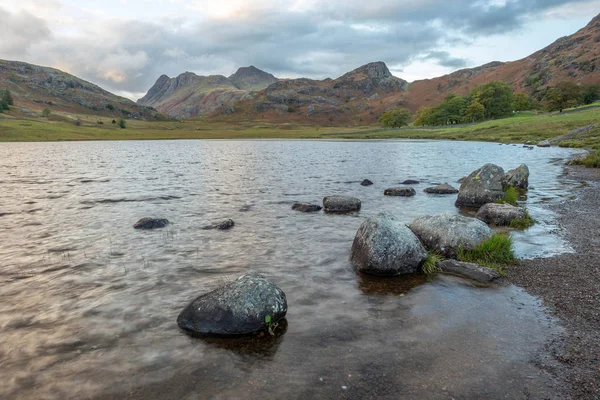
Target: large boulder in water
(341, 204)
(500, 214)
(385, 246)
(151, 223)
(482, 186)
(517, 178)
(235, 309)
(446, 233)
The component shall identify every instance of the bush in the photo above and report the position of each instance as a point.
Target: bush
(114, 122)
(100, 123)
(492, 253)
(122, 123)
(110, 107)
(46, 112)
(395, 118)
(77, 122)
(6, 97)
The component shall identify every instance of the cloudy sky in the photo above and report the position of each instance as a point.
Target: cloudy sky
(125, 45)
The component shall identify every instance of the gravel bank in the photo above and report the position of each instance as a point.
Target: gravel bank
(569, 285)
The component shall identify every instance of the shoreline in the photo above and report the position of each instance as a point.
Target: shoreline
(569, 286)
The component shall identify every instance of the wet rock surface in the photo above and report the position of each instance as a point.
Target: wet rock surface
(517, 178)
(441, 189)
(151, 223)
(470, 270)
(341, 204)
(222, 225)
(410, 182)
(385, 246)
(482, 186)
(305, 207)
(500, 214)
(404, 191)
(366, 182)
(543, 143)
(235, 309)
(446, 233)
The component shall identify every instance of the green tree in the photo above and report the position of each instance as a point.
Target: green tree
(475, 112)
(496, 98)
(46, 113)
(564, 95)
(591, 94)
(423, 116)
(455, 107)
(6, 97)
(522, 102)
(122, 123)
(395, 118)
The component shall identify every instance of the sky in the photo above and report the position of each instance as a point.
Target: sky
(125, 45)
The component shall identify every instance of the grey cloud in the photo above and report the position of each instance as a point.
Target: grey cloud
(326, 41)
(445, 59)
(19, 31)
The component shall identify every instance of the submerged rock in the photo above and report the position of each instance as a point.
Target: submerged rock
(304, 207)
(441, 189)
(481, 186)
(223, 225)
(446, 233)
(410, 182)
(235, 309)
(366, 182)
(405, 191)
(341, 204)
(500, 214)
(385, 246)
(470, 270)
(151, 223)
(543, 143)
(517, 178)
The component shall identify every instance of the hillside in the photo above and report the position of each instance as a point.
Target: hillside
(189, 95)
(358, 97)
(35, 88)
(575, 57)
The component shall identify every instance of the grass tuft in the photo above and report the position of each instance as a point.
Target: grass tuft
(511, 196)
(430, 265)
(522, 223)
(493, 252)
(592, 160)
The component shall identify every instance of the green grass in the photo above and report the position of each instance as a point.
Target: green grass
(516, 129)
(592, 160)
(511, 196)
(493, 252)
(522, 223)
(430, 265)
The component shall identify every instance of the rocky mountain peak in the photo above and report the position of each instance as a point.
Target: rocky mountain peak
(376, 69)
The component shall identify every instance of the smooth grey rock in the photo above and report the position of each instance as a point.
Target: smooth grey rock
(441, 189)
(304, 207)
(543, 143)
(470, 270)
(481, 186)
(404, 191)
(446, 233)
(500, 214)
(223, 225)
(341, 204)
(385, 246)
(151, 223)
(235, 309)
(461, 180)
(366, 182)
(410, 182)
(517, 178)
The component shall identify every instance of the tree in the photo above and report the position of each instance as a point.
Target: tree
(496, 98)
(6, 97)
(395, 118)
(564, 95)
(591, 94)
(455, 107)
(522, 102)
(475, 112)
(423, 116)
(122, 123)
(46, 113)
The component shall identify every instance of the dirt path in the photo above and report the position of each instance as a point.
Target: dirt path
(570, 286)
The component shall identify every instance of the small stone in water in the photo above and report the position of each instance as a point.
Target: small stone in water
(345, 387)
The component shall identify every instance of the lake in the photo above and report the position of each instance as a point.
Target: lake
(88, 304)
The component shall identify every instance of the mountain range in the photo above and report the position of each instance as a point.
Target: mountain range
(357, 97)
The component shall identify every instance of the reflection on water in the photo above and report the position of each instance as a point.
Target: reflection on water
(88, 304)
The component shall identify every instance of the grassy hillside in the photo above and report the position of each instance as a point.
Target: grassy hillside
(517, 129)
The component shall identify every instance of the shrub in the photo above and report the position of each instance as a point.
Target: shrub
(46, 112)
(6, 97)
(492, 253)
(100, 123)
(110, 107)
(114, 122)
(122, 123)
(77, 122)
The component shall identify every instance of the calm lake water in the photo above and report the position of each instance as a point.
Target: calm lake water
(88, 304)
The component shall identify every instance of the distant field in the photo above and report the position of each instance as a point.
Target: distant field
(517, 129)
